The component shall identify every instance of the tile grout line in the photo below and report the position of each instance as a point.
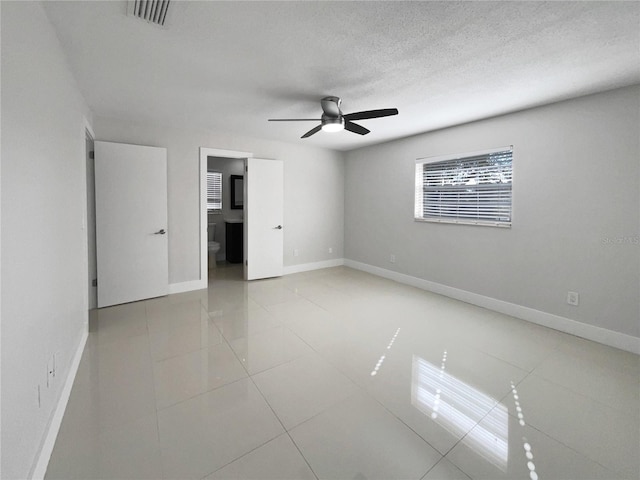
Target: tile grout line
(155, 393)
(364, 391)
(546, 434)
(498, 402)
(241, 456)
(213, 389)
(230, 383)
(283, 426)
(580, 394)
(250, 376)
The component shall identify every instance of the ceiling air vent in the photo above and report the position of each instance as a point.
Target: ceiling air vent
(152, 11)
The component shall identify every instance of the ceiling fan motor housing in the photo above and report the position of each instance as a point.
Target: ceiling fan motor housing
(331, 120)
(331, 106)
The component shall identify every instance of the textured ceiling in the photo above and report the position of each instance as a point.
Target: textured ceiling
(229, 66)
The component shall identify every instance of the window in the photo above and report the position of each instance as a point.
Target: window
(472, 188)
(214, 191)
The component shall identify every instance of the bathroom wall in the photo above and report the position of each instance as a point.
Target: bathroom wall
(228, 167)
(44, 239)
(576, 204)
(313, 190)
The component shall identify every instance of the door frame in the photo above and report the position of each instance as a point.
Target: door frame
(90, 241)
(204, 153)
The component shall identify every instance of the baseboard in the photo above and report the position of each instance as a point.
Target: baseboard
(590, 332)
(305, 267)
(42, 461)
(187, 286)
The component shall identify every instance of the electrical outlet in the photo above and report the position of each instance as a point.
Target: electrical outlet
(573, 298)
(392, 258)
(330, 249)
(296, 252)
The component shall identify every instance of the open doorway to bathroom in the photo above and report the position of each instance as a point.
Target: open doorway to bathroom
(222, 210)
(225, 213)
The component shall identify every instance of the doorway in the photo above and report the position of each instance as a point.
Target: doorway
(262, 215)
(91, 222)
(225, 212)
(221, 161)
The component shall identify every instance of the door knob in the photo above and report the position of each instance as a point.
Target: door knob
(279, 227)
(160, 232)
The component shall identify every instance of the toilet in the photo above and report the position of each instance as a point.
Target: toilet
(212, 246)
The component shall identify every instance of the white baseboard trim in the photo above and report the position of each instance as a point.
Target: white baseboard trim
(590, 332)
(187, 286)
(305, 267)
(42, 461)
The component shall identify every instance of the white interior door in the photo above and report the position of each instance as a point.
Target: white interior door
(264, 227)
(131, 222)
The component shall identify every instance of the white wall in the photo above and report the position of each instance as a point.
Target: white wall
(576, 203)
(228, 167)
(44, 252)
(313, 191)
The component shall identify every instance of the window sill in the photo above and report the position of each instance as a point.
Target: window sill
(464, 222)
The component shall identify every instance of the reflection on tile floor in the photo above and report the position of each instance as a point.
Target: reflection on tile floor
(338, 374)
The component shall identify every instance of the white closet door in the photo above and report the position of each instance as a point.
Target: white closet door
(264, 228)
(131, 222)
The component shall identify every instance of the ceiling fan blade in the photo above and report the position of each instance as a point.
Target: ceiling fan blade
(355, 128)
(385, 112)
(331, 106)
(312, 131)
(293, 120)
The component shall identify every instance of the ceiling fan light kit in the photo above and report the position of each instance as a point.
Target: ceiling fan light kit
(332, 124)
(333, 120)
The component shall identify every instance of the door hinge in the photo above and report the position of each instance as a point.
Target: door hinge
(246, 169)
(92, 155)
(246, 262)
(94, 282)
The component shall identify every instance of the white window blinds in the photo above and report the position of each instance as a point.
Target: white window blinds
(470, 188)
(214, 191)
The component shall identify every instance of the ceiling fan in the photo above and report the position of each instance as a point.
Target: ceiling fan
(333, 120)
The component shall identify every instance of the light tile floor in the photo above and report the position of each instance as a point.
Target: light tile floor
(338, 374)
